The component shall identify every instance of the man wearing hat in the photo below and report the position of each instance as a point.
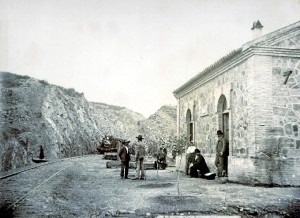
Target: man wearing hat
(125, 158)
(199, 163)
(140, 152)
(222, 152)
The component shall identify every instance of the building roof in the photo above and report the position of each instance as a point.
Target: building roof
(264, 41)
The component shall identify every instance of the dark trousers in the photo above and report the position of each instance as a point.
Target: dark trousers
(221, 163)
(124, 168)
(193, 172)
(189, 159)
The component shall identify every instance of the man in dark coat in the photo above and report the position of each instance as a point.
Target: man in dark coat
(125, 158)
(199, 164)
(222, 152)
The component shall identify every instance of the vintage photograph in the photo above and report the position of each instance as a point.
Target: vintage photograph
(150, 108)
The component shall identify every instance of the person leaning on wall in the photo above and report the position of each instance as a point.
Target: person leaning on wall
(222, 152)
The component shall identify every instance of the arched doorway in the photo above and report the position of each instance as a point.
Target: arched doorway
(190, 125)
(223, 116)
(223, 123)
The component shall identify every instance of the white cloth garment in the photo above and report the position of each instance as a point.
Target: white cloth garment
(191, 149)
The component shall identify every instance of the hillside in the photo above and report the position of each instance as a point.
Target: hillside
(34, 113)
(117, 121)
(160, 128)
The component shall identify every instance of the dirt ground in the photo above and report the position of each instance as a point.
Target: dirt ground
(84, 187)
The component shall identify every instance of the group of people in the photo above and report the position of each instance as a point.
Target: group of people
(196, 165)
(140, 153)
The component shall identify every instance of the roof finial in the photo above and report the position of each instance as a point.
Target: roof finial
(257, 24)
(257, 29)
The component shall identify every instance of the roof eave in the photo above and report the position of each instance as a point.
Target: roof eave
(212, 67)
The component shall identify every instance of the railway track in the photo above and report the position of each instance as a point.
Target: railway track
(4, 176)
(5, 210)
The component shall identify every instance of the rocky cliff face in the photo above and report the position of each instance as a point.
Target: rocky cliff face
(117, 121)
(34, 113)
(160, 128)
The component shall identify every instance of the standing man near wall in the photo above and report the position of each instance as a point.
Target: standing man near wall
(140, 153)
(222, 152)
(190, 156)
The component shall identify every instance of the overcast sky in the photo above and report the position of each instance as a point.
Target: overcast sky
(131, 53)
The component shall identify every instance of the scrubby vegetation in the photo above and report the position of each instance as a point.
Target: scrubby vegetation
(10, 80)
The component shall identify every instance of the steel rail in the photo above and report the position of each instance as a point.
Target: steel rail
(34, 189)
(27, 169)
(40, 165)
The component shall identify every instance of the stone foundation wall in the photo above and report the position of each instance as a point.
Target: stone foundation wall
(259, 171)
(255, 170)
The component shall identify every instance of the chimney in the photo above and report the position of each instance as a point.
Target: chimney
(257, 29)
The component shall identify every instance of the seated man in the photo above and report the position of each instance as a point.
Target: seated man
(199, 164)
(160, 163)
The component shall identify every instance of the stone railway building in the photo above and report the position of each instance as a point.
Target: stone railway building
(253, 95)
